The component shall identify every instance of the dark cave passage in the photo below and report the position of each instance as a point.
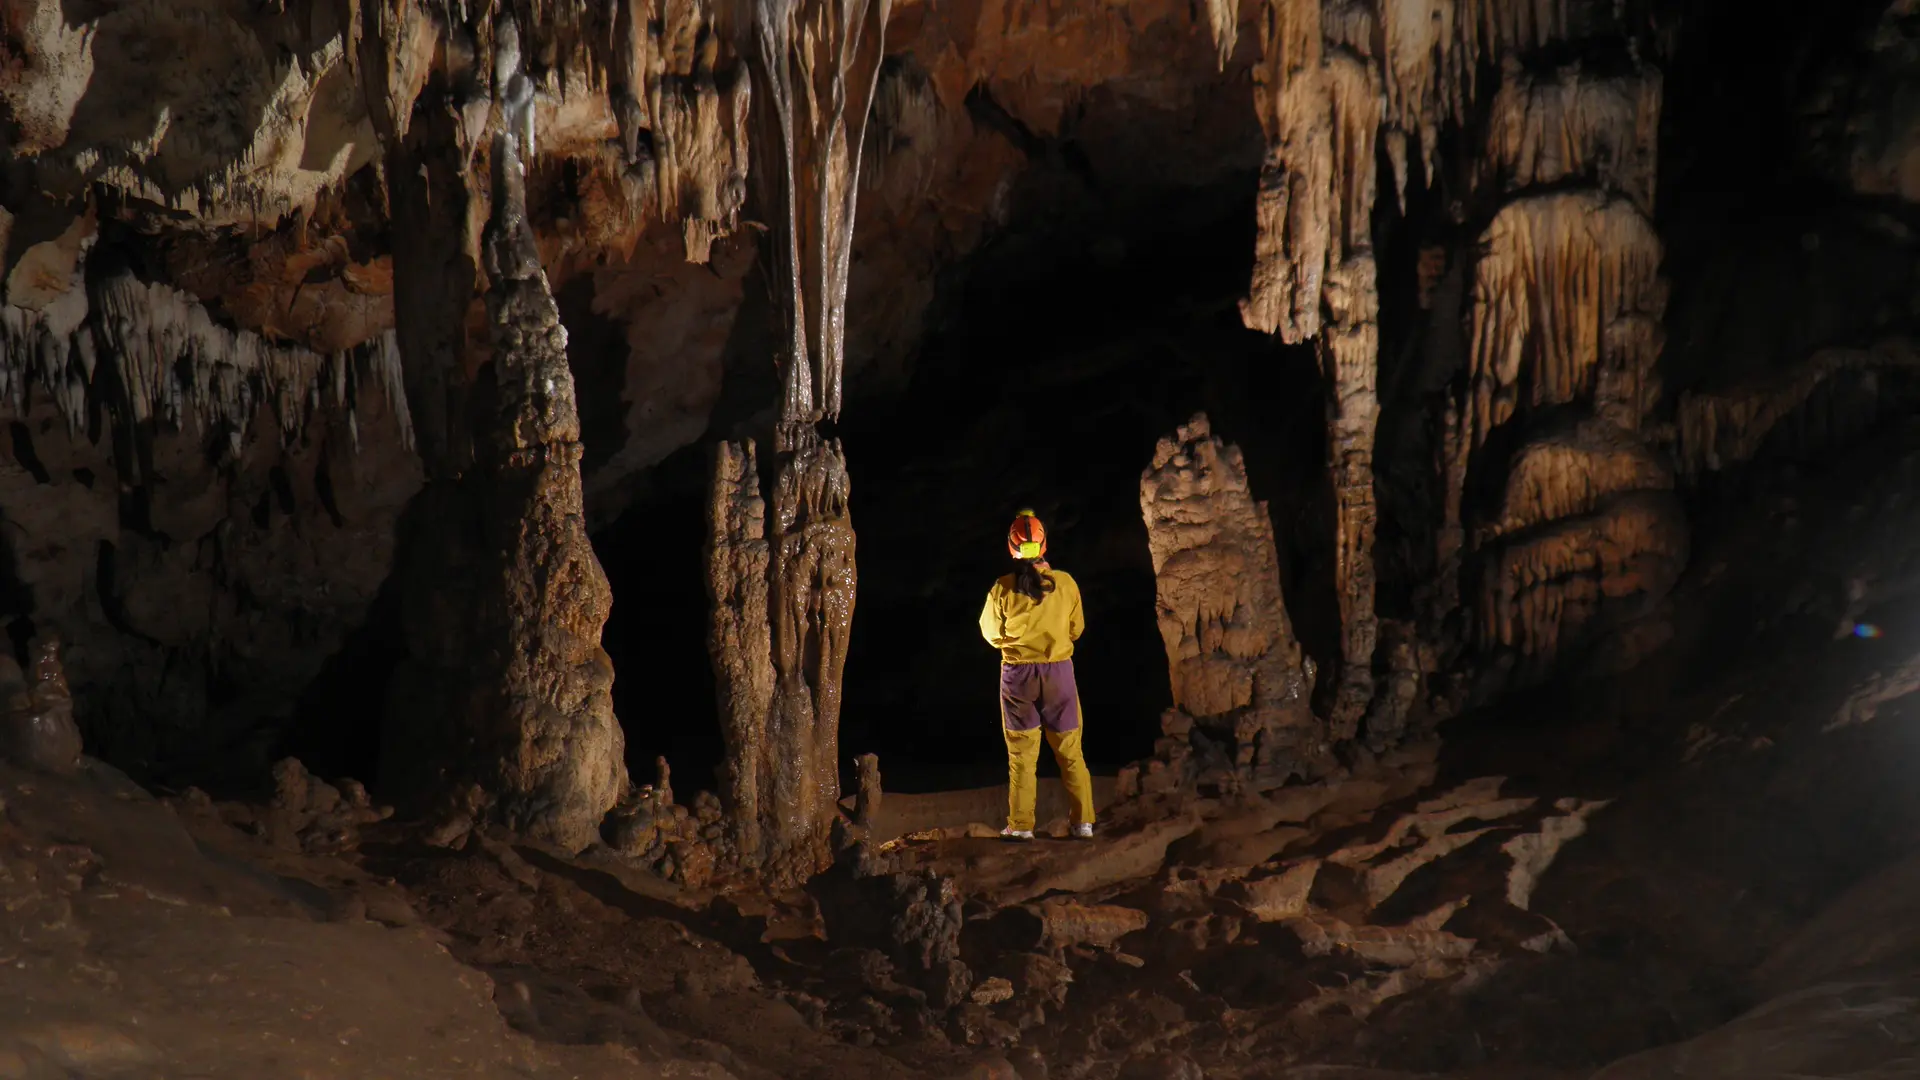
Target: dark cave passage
(1055, 360)
(1059, 364)
(663, 687)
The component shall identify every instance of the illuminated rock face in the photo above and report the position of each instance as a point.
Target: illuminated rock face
(1563, 306)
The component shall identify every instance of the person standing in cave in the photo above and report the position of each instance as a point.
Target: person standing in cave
(1033, 617)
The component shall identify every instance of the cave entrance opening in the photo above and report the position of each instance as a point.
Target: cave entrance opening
(1054, 359)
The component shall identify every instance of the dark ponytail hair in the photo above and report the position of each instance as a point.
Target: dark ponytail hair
(1029, 582)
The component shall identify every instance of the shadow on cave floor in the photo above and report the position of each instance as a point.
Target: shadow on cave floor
(1748, 789)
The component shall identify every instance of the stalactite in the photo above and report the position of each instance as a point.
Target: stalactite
(1502, 27)
(1350, 26)
(1321, 113)
(1546, 129)
(1223, 25)
(815, 65)
(1566, 305)
(1716, 430)
(1428, 65)
(1320, 99)
(1235, 665)
(170, 362)
(1349, 359)
(1292, 210)
(669, 85)
(909, 126)
(431, 126)
(1318, 179)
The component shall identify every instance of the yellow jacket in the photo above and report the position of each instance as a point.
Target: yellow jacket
(1029, 632)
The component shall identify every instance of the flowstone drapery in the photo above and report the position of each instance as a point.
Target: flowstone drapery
(1564, 309)
(1555, 504)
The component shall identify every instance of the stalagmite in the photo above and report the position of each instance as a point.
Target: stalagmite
(1349, 358)
(739, 639)
(1235, 665)
(811, 607)
(523, 689)
(782, 609)
(566, 765)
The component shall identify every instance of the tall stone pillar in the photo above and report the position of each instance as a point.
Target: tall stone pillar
(815, 64)
(506, 663)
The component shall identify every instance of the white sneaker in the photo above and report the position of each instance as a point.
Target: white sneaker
(1083, 831)
(1011, 833)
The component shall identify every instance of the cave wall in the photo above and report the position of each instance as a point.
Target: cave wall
(213, 434)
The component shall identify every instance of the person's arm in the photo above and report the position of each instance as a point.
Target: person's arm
(1076, 619)
(992, 623)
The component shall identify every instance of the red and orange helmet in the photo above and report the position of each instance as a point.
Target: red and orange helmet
(1027, 538)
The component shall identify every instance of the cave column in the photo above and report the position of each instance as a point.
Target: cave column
(1321, 107)
(815, 64)
(1349, 359)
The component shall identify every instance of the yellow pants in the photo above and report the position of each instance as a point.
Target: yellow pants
(1023, 759)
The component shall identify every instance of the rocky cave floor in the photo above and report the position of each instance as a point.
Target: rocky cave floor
(1697, 867)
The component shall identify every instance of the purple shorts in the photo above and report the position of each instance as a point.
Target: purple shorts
(1032, 695)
